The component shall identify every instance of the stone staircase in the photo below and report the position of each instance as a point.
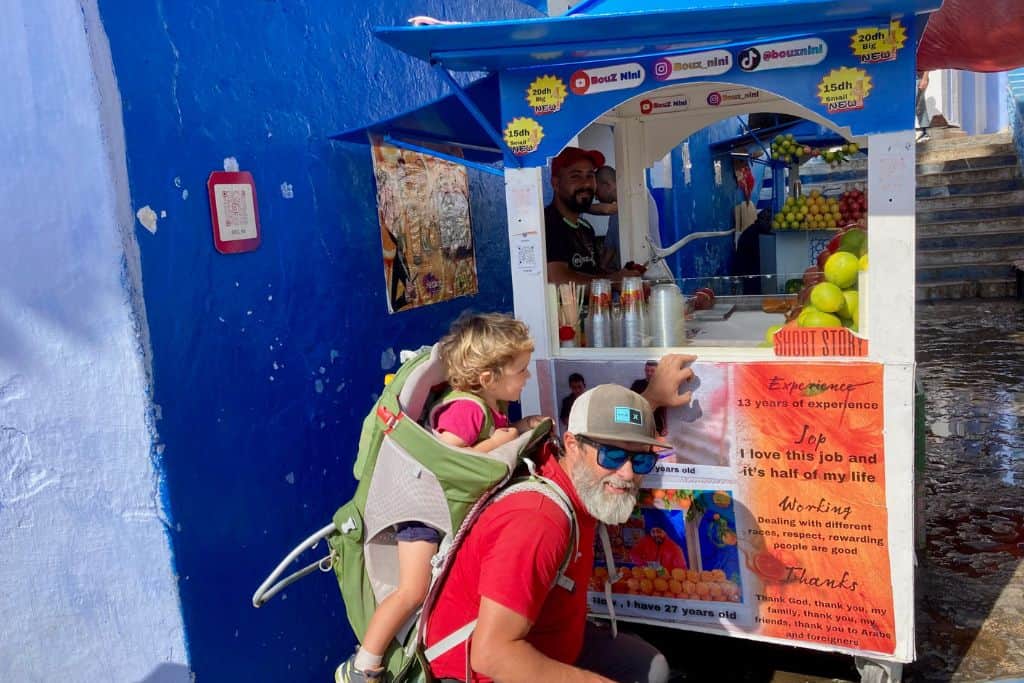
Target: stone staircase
(970, 217)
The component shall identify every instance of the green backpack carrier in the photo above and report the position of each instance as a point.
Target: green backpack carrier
(406, 474)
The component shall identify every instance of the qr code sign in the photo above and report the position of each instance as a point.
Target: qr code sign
(236, 214)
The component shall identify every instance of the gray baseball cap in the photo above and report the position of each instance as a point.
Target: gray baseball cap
(610, 412)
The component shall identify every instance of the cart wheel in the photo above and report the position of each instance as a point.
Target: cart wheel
(875, 671)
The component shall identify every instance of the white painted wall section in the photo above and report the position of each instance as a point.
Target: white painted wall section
(88, 591)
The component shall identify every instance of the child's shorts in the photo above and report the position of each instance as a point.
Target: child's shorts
(408, 532)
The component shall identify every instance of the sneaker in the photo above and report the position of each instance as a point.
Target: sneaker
(348, 673)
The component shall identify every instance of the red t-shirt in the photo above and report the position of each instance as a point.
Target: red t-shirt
(512, 556)
(465, 419)
(668, 554)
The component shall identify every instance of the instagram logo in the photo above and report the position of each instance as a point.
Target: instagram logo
(646, 107)
(662, 69)
(714, 99)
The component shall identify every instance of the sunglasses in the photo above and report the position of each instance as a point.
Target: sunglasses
(613, 457)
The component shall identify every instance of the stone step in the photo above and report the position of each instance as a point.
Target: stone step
(965, 189)
(985, 200)
(975, 255)
(969, 177)
(970, 213)
(968, 241)
(939, 141)
(969, 272)
(926, 155)
(970, 227)
(967, 289)
(971, 163)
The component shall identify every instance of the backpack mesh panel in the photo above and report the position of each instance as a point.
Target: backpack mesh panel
(401, 490)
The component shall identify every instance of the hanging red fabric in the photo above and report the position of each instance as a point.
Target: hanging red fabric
(974, 35)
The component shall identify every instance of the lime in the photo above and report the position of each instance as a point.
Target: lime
(826, 297)
(841, 269)
(819, 319)
(851, 305)
(863, 262)
(804, 312)
(770, 333)
(854, 241)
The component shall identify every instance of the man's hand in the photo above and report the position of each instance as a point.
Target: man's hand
(669, 377)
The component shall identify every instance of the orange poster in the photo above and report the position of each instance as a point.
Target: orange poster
(809, 441)
(767, 518)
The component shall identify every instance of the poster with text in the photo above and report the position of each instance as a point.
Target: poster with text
(766, 517)
(425, 228)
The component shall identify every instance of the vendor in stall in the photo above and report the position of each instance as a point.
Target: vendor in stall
(572, 248)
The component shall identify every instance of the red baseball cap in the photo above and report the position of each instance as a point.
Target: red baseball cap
(570, 155)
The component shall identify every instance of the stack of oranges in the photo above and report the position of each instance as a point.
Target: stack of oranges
(684, 584)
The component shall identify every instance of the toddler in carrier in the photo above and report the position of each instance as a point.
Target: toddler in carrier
(486, 359)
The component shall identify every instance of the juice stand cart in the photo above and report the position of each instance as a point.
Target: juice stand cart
(784, 512)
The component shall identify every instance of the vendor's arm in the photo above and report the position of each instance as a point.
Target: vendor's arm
(670, 377)
(500, 650)
(559, 271)
(604, 208)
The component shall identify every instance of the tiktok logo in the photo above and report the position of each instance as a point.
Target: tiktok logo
(749, 59)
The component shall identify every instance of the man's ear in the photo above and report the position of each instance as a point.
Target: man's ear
(569, 441)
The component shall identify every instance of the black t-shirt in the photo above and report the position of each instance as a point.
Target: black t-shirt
(576, 246)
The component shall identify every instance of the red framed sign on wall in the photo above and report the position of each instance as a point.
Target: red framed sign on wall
(236, 220)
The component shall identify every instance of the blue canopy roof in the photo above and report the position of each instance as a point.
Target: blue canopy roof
(618, 27)
(446, 121)
(593, 30)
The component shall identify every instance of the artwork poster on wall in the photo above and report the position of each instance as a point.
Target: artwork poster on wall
(425, 227)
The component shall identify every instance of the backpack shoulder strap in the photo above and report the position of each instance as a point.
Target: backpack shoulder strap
(549, 489)
(453, 395)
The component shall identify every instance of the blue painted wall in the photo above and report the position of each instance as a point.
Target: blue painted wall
(264, 364)
(701, 205)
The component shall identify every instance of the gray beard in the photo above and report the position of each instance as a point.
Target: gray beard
(603, 507)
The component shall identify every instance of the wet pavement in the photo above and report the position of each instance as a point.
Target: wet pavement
(970, 617)
(970, 574)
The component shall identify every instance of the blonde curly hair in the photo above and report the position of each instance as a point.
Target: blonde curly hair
(481, 342)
